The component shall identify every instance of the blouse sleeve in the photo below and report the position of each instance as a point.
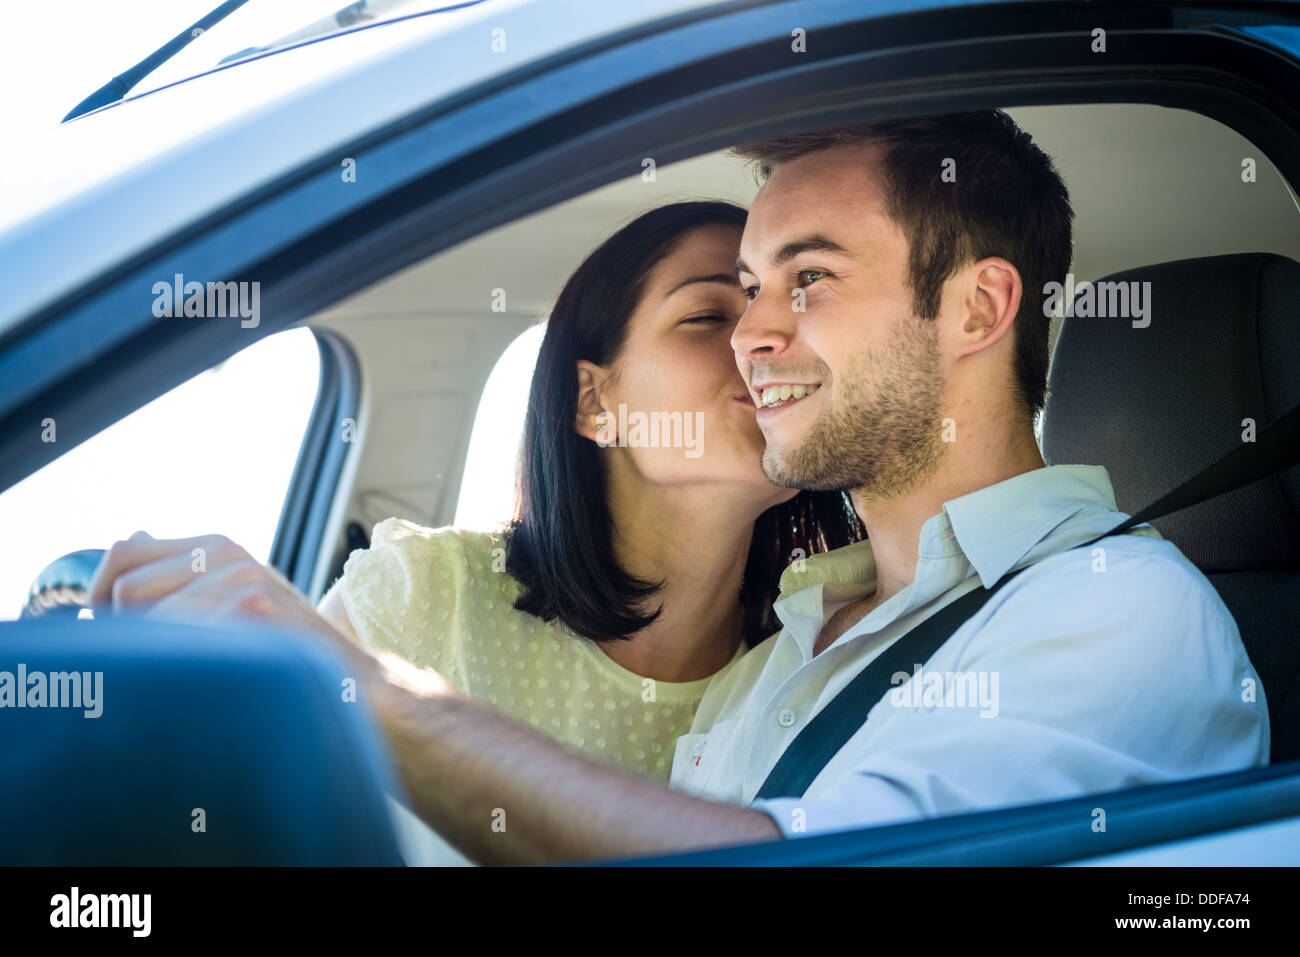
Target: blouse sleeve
(402, 593)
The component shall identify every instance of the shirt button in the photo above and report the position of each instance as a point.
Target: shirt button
(698, 749)
(785, 718)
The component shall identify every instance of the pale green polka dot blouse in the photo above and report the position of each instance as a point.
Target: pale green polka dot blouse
(442, 598)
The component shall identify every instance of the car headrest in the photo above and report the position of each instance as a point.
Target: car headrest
(1156, 397)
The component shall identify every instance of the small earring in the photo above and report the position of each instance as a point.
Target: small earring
(603, 424)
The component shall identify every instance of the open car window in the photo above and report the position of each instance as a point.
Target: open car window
(217, 452)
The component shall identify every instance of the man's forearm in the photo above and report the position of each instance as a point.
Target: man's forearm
(504, 794)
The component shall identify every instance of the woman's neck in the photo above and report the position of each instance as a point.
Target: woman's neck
(696, 543)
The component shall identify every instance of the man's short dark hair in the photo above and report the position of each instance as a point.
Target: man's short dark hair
(1007, 200)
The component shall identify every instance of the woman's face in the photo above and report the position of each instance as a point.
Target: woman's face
(677, 408)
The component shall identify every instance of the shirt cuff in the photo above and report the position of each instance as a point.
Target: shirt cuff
(786, 812)
(868, 807)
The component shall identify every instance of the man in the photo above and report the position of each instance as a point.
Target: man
(897, 267)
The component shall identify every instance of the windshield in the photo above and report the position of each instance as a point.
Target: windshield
(54, 55)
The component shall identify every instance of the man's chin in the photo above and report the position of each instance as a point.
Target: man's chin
(809, 468)
(779, 472)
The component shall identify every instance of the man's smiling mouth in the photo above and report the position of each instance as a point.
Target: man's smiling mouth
(772, 396)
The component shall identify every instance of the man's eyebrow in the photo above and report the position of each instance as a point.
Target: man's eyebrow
(725, 278)
(816, 243)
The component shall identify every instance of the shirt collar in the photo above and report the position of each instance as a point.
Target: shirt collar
(990, 530)
(999, 525)
(849, 565)
(994, 527)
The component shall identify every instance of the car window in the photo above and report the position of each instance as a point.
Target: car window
(215, 454)
(487, 489)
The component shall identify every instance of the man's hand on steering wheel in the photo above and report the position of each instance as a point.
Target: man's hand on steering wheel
(210, 579)
(198, 580)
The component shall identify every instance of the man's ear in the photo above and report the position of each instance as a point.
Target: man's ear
(992, 302)
(591, 381)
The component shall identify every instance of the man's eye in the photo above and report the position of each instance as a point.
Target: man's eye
(814, 273)
(707, 319)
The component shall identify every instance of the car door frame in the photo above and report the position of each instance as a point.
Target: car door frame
(315, 500)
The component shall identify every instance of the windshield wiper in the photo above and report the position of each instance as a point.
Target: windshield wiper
(349, 16)
(118, 87)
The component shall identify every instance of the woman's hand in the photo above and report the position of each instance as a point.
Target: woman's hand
(198, 580)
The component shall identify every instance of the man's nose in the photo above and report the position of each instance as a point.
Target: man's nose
(765, 328)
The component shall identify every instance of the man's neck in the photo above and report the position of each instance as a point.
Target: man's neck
(894, 522)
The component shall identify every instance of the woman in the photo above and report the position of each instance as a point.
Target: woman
(639, 565)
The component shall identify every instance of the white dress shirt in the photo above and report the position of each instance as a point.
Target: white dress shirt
(1099, 668)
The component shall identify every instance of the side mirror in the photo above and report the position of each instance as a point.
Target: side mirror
(63, 587)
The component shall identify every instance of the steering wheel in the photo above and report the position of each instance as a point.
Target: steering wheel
(63, 587)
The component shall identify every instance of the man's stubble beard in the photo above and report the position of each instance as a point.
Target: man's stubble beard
(882, 436)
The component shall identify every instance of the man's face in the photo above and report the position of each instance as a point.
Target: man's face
(826, 271)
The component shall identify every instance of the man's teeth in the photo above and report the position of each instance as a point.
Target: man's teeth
(776, 395)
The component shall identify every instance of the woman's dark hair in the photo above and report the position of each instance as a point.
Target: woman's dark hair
(561, 546)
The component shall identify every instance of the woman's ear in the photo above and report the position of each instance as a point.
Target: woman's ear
(592, 421)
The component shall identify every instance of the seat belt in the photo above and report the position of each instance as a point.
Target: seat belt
(1276, 447)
